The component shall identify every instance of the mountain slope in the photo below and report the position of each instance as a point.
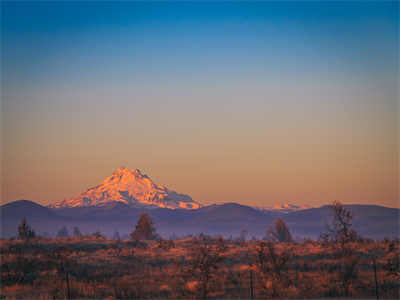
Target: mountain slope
(368, 220)
(225, 219)
(21, 208)
(132, 188)
(39, 216)
(283, 208)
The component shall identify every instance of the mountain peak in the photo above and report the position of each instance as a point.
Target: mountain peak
(131, 187)
(123, 171)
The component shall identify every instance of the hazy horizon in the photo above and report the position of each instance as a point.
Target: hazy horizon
(257, 103)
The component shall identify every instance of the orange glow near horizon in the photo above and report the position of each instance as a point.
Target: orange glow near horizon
(260, 169)
(257, 103)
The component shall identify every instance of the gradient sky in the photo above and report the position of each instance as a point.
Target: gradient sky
(256, 103)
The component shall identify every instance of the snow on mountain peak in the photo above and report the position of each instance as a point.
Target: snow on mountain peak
(132, 187)
(284, 207)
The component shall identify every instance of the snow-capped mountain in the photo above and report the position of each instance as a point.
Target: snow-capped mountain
(284, 207)
(130, 187)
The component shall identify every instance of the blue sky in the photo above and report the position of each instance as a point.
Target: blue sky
(157, 40)
(176, 86)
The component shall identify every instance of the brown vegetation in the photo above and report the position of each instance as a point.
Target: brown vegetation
(195, 268)
(340, 264)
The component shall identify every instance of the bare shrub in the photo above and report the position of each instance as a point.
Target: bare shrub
(25, 231)
(273, 267)
(340, 230)
(76, 232)
(205, 255)
(63, 232)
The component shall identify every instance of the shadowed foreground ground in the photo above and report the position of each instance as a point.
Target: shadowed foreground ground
(196, 268)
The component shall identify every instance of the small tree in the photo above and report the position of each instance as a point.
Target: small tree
(144, 229)
(76, 232)
(63, 261)
(116, 236)
(340, 230)
(63, 232)
(205, 257)
(273, 266)
(97, 235)
(25, 231)
(280, 232)
(243, 237)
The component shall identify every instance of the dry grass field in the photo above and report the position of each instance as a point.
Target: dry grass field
(197, 268)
